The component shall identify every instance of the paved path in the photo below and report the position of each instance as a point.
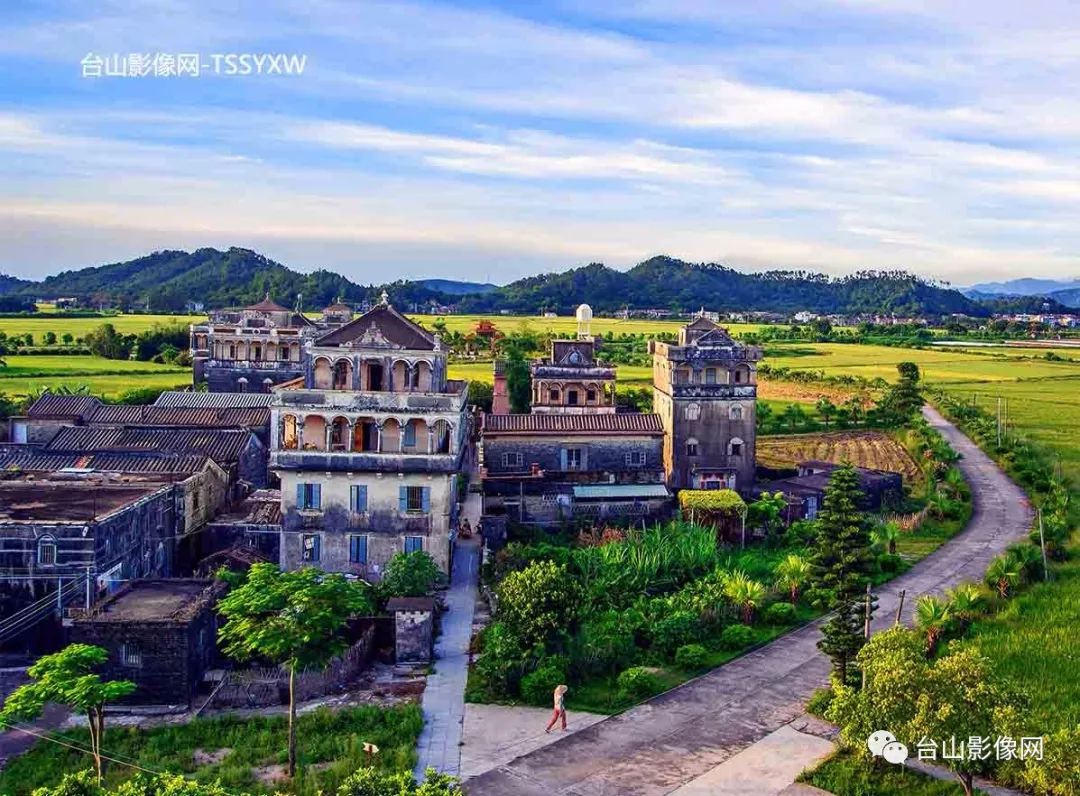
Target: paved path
(668, 741)
(444, 695)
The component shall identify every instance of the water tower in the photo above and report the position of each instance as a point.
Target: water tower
(584, 322)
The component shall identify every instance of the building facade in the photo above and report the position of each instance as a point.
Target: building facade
(368, 444)
(571, 380)
(249, 349)
(705, 391)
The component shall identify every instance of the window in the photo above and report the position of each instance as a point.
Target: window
(711, 483)
(635, 459)
(692, 411)
(358, 498)
(740, 376)
(414, 544)
(710, 375)
(311, 547)
(573, 459)
(513, 459)
(309, 497)
(590, 396)
(553, 395)
(414, 499)
(358, 548)
(283, 354)
(736, 413)
(691, 447)
(410, 434)
(735, 447)
(46, 553)
(571, 397)
(130, 654)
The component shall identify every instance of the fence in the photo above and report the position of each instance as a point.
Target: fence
(263, 686)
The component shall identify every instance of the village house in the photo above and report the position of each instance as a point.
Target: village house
(368, 444)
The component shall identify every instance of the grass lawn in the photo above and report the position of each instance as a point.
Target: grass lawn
(59, 323)
(843, 774)
(330, 743)
(109, 377)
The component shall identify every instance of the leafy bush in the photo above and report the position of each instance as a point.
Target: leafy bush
(638, 682)
(410, 575)
(819, 702)
(736, 637)
(691, 656)
(675, 630)
(604, 645)
(503, 661)
(538, 687)
(780, 614)
(537, 602)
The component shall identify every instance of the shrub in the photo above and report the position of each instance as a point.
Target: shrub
(638, 682)
(502, 662)
(737, 636)
(537, 602)
(537, 687)
(819, 702)
(409, 575)
(604, 645)
(675, 630)
(780, 614)
(691, 656)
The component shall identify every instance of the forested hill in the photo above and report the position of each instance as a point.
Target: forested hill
(166, 280)
(169, 279)
(666, 283)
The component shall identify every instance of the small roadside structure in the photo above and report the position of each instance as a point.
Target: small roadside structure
(414, 628)
(160, 634)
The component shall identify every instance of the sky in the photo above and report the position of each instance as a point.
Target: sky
(490, 141)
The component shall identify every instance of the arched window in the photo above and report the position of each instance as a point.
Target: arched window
(46, 551)
(735, 447)
(736, 413)
(241, 384)
(693, 411)
(691, 447)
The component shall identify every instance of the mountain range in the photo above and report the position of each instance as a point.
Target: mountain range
(168, 280)
(1066, 292)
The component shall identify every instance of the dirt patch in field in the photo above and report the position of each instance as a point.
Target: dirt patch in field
(872, 449)
(270, 775)
(203, 757)
(801, 393)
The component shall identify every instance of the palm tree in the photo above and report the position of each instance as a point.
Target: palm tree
(1003, 574)
(826, 409)
(792, 574)
(885, 536)
(932, 616)
(747, 594)
(965, 602)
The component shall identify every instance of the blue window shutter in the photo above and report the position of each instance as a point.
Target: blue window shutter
(410, 434)
(425, 498)
(316, 497)
(361, 497)
(318, 547)
(363, 550)
(300, 496)
(562, 458)
(403, 499)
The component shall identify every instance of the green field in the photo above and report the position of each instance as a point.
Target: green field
(78, 327)
(566, 325)
(25, 375)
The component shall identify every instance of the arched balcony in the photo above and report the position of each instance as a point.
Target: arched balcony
(343, 375)
(365, 436)
(323, 374)
(414, 436)
(441, 437)
(314, 436)
(290, 437)
(391, 435)
(339, 434)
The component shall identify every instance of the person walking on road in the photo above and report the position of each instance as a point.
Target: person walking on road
(560, 708)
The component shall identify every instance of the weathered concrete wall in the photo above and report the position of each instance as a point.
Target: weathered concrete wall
(226, 377)
(413, 635)
(632, 459)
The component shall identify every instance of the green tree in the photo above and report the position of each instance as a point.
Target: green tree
(291, 618)
(744, 593)
(412, 574)
(537, 603)
(68, 678)
(518, 380)
(767, 512)
(106, 342)
(49, 338)
(1004, 575)
(842, 564)
(763, 413)
(825, 408)
(885, 536)
(932, 617)
(792, 574)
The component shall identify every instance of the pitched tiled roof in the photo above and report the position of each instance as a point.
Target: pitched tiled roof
(220, 444)
(391, 324)
(551, 423)
(49, 405)
(216, 400)
(267, 305)
(209, 417)
(46, 461)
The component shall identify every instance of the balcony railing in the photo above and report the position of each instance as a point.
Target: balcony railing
(697, 390)
(357, 461)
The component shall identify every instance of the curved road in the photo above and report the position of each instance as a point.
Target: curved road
(661, 744)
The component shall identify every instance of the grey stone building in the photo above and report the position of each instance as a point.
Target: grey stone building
(160, 633)
(705, 389)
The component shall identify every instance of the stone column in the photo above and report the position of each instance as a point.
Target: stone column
(352, 431)
(329, 429)
(300, 433)
(378, 437)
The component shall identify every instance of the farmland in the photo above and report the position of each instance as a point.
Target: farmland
(25, 375)
(79, 327)
(873, 449)
(567, 326)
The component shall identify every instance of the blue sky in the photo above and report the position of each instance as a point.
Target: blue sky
(495, 140)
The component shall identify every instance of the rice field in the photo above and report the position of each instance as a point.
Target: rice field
(25, 375)
(79, 327)
(567, 325)
(873, 449)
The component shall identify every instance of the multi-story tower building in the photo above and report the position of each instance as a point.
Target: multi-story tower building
(704, 389)
(571, 380)
(368, 443)
(249, 349)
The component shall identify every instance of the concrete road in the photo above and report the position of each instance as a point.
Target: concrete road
(670, 740)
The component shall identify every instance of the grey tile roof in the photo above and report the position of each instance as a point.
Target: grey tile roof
(134, 463)
(553, 423)
(208, 417)
(221, 444)
(213, 400)
(49, 406)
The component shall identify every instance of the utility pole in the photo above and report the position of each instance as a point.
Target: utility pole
(900, 607)
(999, 421)
(866, 626)
(1042, 546)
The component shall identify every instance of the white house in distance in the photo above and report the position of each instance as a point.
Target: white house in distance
(368, 444)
